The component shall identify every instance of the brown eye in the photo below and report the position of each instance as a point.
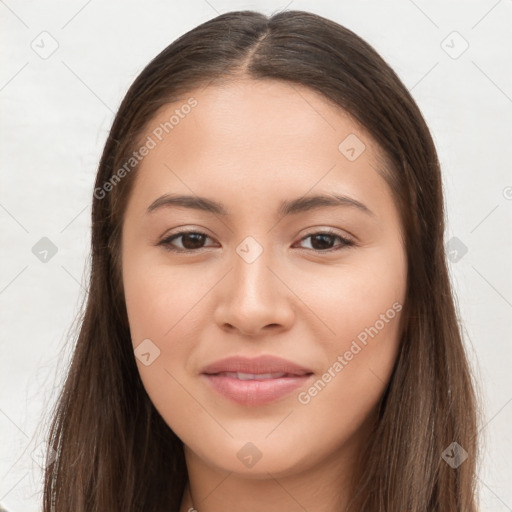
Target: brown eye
(191, 241)
(323, 242)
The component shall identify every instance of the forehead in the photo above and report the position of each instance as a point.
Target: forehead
(256, 116)
(258, 137)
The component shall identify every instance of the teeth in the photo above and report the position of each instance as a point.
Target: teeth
(260, 376)
(253, 376)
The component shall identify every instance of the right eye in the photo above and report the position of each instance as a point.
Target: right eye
(191, 241)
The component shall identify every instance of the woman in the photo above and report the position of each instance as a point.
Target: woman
(270, 323)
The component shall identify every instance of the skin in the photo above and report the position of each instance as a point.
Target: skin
(250, 145)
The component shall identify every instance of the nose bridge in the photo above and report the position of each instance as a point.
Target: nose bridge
(251, 274)
(253, 296)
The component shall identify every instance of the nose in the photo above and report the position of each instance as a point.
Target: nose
(254, 299)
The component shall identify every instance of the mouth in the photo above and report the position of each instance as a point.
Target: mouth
(254, 382)
(254, 376)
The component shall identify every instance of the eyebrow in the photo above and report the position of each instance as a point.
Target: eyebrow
(287, 207)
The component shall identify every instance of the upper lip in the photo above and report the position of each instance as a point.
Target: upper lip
(258, 365)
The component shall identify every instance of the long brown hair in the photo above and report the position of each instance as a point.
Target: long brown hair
(114, 451)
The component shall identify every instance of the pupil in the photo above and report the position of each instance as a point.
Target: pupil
(323, 245)
(199, 239)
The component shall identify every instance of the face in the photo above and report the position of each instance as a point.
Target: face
(258, 268)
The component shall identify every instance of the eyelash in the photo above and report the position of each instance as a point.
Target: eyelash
(166, 242)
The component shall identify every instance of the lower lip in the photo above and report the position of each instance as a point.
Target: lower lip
(255, 392)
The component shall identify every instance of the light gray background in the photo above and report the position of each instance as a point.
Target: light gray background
(56, 113)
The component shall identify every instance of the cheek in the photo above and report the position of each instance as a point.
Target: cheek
(167, 305)
(364, 311)
(164, 309)
(160, 298)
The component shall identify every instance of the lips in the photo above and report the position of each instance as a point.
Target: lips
(254, 376)
(257, 366)
(255, 381)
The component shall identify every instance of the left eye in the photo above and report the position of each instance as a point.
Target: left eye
(322, 240)
(193, 240)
